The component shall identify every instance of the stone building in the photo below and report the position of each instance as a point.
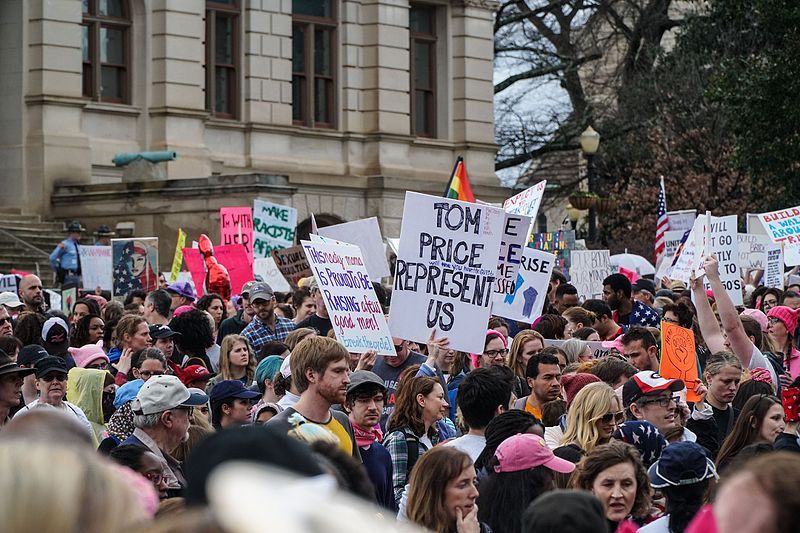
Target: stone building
(336, 107)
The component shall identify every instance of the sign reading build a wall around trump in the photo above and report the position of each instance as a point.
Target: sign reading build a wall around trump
(446, 269)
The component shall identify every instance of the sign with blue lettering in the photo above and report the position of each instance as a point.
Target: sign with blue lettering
(526, 301)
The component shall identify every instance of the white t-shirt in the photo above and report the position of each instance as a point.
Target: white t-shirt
(69, 408)
(656, 526)
(759, 360)
(472, 445)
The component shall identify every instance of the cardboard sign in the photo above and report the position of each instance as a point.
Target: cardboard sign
(233, 257)
(515, 235)
(752, 250)
(773, 273)
(96, 267)
(68, 297)
(268, 270)
(346, 287)
(292, 263)
(597, 348)
(445, 272)
(527, 202)
(177, 260)
(678, 357)
(525, 302)
(681, 220)
(558, 243)
(9, 283)
(723, 244)
(236, 227)
(135, 263)
(366, 234)
(274, 227)
(783, 225)
(588, 270)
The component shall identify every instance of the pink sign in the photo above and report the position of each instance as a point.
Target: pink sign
(236, 227)
(233, 257)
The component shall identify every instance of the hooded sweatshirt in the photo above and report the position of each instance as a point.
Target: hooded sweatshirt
(85, 389)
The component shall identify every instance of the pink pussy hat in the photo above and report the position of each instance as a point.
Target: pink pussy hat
(87, 354)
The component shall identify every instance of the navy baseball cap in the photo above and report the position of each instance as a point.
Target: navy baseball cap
(681, 463)
(232, 388)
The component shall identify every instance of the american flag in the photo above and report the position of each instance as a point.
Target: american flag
(124, 280)
(662, 224)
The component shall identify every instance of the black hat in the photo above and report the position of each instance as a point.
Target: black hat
(232, 388)
(49, 365)
(565, 511)
(75, 227)
(644, 284)
(31, 353)
(104, 231)
(161, 332)
(7, 366)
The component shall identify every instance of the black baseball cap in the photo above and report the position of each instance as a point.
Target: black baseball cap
(50, 365)
(30, 354)
(161, 332)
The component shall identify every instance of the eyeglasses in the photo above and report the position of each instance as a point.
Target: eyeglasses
(148, 373)
(772, 320)
(189, 410)
(491, 354)
(56, 375)
(662, 402)
(154, 477)
(98, 366)
(618, 418)
(4, 320)
(669, 320)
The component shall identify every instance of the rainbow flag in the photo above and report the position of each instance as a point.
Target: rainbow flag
(459, 187)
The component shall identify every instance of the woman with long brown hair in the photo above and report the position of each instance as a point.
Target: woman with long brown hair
(526, 344)
(236, 361)
(760, 420)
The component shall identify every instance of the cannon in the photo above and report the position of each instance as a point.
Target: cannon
(143, 166)
(121, 160)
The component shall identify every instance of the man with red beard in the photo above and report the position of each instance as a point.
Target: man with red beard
(321, 372)
(11, 376)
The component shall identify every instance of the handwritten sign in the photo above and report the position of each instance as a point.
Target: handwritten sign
(232, 256)
(266, 268)
(366, 234)
(177, 260)
(346, 287)
(292, 263)
(588, 270)
(684, 259)
(515, 235)
(8, 283)
(791, 255)
(273, 227)
(681, 220)
(558, 243)
(96, 267)
(529, 292)
(773, 274)
(236, 227)
(678, 357)
(752, 250)
(597, 348)
(724, 245)
(54, 299)
(445, 272)
(527, 202)
(783, 225)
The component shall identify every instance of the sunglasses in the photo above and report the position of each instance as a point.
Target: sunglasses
(618, 418)
(4, 320)
(56, 375)
(98, 366)
(148, 373)
(398, 347)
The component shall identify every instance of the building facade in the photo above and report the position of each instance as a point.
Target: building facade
(336, 107)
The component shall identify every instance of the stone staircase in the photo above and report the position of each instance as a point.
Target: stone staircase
(26, 242)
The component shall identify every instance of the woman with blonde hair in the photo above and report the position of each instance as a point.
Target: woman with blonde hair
(236, 361)
(526, 344)
(577, 318)
(593, 416)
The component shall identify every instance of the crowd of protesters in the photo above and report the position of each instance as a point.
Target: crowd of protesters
(139, 415)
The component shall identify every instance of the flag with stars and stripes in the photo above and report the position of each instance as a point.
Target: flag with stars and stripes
(662, 224)
(124, 280)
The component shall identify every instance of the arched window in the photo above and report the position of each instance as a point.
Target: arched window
(222, 57)
(106, 50)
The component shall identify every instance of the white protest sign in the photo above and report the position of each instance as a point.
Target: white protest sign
(791, 255)
(681, 220)
(723, 244)
(8, 283)
(773, 273)
(526, 300)
(752, 250)
(366, 234)
(55, 299)
(273, 227)
(597, 348)
(269, 272)
(345, 285)
(668, 263)
(515, 236)
(527, 202)
(587, 271)
(782, 226)
(684, 263)
(96, 267)
(445, 272)
(672, 240)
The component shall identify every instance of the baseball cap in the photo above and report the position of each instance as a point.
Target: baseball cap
(363, 377)
(570, 511)
(681, 463)
(158, 331)
(182, 288)
(644, 284)
(9, 299)
(55, 335)
(194, 373)
(247, 287)
(261, 291)
(127, 392)
(232, 388)
(647, 383)
(160, 393)
(31, 353)
(49, 365)
(524, 451)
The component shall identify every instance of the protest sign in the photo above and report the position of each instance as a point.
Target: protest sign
(684, 259)
(681, 220)
(723, 244)
(135, 264)
(346, 288)
(233, 257)
(558, 243)
(597, 348)
(292, 263)
(678, 357)
(515, 235)
(773, 273)
(8, 283)
(177, 260)
(236, 227)
(752, 250)
(268, 270)
(783, 225)
(366, 234)
(527, 202)
(54, 299)
(68, 296)
(445, 272)
(672, 241)
(96, 269)
(273, 227)
(588, 270)
(791, 255)
(529, 292)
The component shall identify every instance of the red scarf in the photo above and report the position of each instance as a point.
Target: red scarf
(365, 437)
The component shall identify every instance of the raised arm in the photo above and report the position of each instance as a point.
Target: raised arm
(740, 343)
(705, 317)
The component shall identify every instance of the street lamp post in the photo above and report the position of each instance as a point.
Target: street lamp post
(590, 142)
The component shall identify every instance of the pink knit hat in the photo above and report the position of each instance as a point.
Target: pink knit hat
(787, 315)
(182, 309)
(759, 317)
(573, 383)
(87, 354)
